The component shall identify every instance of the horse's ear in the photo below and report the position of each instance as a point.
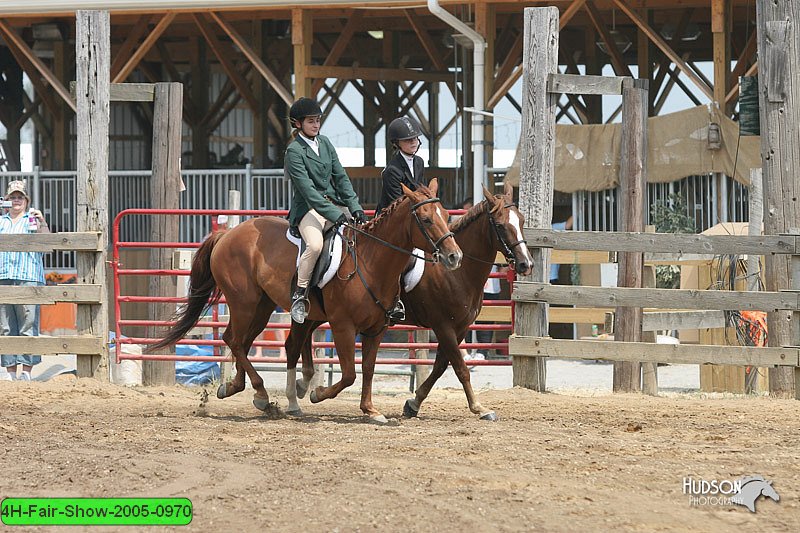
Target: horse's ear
(508, 191)
(406, 190)
(434, 186)
(488, 195)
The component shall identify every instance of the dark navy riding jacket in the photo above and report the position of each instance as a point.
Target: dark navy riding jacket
(395, 173)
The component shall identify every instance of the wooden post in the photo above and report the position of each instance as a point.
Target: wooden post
(199, 69)
(540, 59)
(165, 194)
(753, 382)
(795, 282)
(93, 62)
(302, 39)
(649, 370)
(778, 28)
(633, 163)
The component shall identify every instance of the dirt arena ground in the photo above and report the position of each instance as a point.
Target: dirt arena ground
(554, 462)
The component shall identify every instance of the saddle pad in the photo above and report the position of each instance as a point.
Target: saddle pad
(414, 274)
(335, 254)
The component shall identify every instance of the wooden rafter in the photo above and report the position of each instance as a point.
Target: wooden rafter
(36, 79)
(512, 59)
(680, 29)
(572, 68)
(224, 56)
(190, 114)
(734, 92)
(334, 94)
(505, 85)
(131, 41)
(748, 53)
(378, 74)
(664, 47)
(674, 75)
(339, 46)
(145, 47)
(617, 62)
(31, 112)
(227, 89)
(662, 98)
(254, 58)
(18, 46)
(412, 102)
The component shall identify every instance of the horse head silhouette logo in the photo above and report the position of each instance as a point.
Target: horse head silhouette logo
(752, 488)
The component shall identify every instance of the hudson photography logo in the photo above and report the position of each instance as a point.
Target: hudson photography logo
(744, 491)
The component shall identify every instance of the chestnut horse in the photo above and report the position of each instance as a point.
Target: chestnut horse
(449, 302)
(253, 265)
(494, 225)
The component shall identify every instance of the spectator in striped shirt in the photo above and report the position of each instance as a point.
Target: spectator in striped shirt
(20, 269)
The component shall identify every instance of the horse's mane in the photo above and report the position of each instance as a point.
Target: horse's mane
(392, 207)
(470, 216)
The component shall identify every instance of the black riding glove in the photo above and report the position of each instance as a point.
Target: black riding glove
(359, 217)
(341, 220)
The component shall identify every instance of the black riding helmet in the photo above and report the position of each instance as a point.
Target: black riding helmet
(403, 128)
(302, 108)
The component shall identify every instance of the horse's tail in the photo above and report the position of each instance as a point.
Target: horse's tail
(202, 286)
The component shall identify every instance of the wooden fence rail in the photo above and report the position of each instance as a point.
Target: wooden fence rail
(695, 307)
(82, 294)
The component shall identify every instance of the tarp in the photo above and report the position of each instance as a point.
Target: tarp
(587, 157)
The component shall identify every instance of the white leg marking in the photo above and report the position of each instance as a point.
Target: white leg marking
(291, 390)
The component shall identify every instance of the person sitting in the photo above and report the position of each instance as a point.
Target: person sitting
(323, 195)
(405, 167)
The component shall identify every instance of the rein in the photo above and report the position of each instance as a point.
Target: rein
(507, 248)
(351, 245)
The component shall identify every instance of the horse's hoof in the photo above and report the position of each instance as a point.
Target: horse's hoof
(490, 416)
(313, 397)
(298, 413)
(221, 391)
(378, 420)
(301, 389)
(409, 411)
(262, 404)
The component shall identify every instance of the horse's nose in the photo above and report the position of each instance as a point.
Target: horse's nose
(453, 260)
(523, 268)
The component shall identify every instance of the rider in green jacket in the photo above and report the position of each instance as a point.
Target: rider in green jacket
(323, 195)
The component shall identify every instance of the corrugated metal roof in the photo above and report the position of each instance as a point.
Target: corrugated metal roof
(20, 7)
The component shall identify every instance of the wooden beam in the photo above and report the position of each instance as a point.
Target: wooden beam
(36, 79)
(720, 26)
(689, 354)
(77, 344)
(633, 162)
(92, 65)
(302, 40)
(255, 59)
(224, 55)
(47, 242)
(131, 41)
(619, 64)
(511, 62)
(145, 47)
(50, 294)
(658, 242)
(778, 27)
(377, 74)
(14, 41)
(540, 59)
(527, 291)
(570, 12)
(664, 47)
(582, 84)
(748, 53)
(340, 45)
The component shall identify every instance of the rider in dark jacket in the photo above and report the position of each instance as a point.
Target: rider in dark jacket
(405, 167)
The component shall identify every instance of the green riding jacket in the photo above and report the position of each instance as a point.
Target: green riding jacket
(319, 181)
